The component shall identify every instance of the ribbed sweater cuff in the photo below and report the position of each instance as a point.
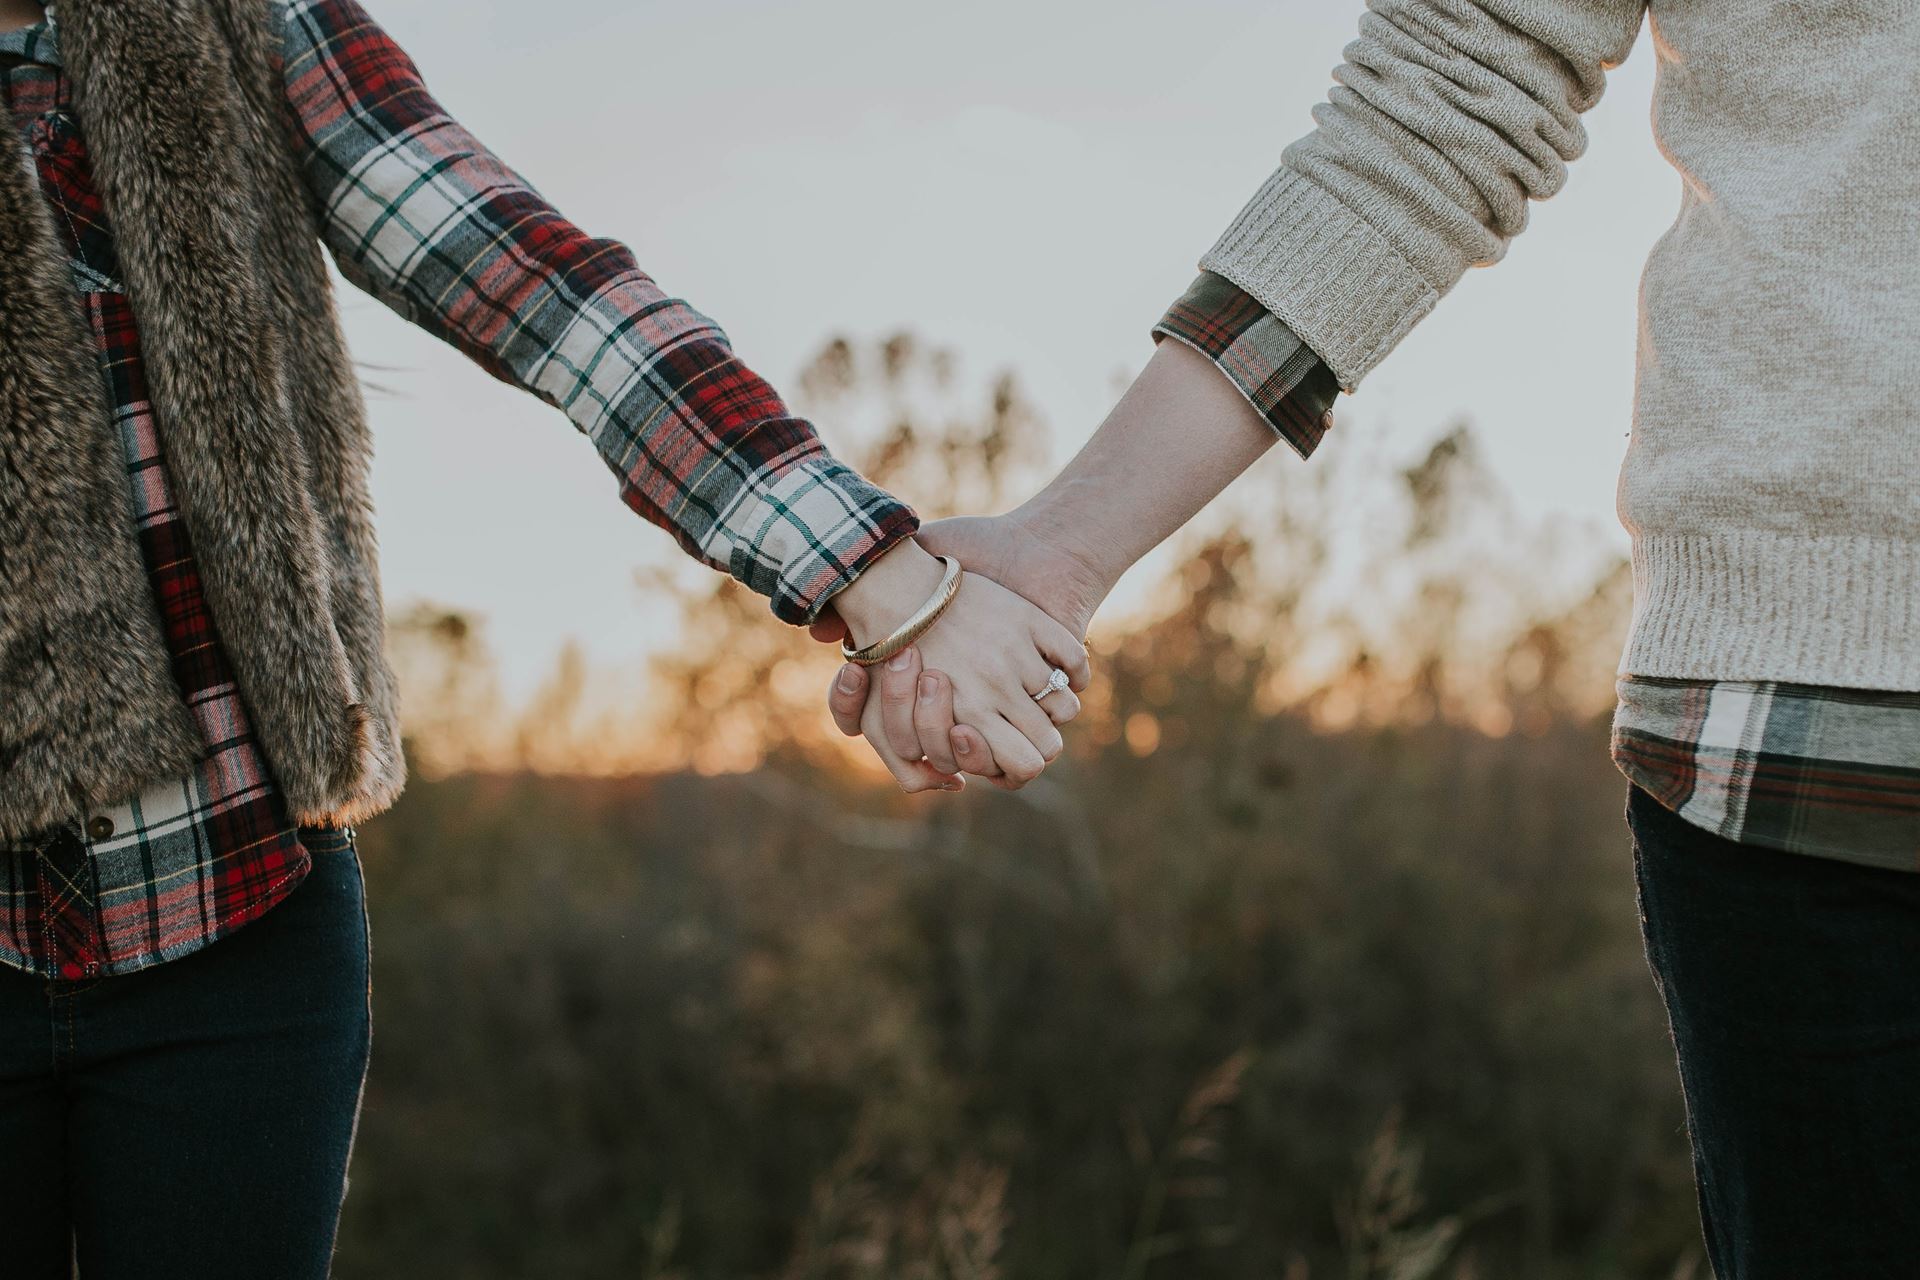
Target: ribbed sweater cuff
(1325, 272)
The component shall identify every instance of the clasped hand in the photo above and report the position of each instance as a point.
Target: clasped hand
(962, 700)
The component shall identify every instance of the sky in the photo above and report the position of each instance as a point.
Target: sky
(1026, 182)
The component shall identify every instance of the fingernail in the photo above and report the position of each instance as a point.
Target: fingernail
(953, 786)
(849, 680)
(928, 687)
(900, 661)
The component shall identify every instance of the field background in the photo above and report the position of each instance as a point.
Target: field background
(1315, 958)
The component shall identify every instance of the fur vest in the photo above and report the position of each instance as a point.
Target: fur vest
(262, 426)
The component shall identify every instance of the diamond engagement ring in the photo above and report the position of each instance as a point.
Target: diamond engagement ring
(1056, 681)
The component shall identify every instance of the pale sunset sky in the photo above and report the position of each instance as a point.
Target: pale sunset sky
(1028, 183)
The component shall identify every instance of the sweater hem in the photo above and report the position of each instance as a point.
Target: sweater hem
(1837, 610)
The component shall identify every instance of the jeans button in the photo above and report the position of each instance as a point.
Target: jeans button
(99, 827)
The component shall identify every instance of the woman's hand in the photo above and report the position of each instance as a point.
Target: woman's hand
(995, 651)
(919, 710)
(1178, 436)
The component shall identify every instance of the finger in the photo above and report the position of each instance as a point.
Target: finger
(1064, 651)
(914, 776)
(847, 698)
(899, 677)
(1031, 719)
(911, 776)
(1037, 717)
(1014, 751)
(828, 628)
(1061, 706)
(933, 721)
(972, 754)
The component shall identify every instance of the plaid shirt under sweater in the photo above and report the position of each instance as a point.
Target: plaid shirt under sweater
(1830, 772)
(420, 215)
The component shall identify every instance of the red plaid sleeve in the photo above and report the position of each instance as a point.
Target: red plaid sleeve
(422, 216)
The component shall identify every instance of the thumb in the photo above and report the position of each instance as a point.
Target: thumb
(847, 698)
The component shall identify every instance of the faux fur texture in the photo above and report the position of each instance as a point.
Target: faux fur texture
(260, 415)
(88, 706)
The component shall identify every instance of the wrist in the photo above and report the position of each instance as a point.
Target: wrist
(887, 592)
(1179, 435)
(1091, 564)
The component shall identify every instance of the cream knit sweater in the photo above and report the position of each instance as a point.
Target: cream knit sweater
(1772, 487)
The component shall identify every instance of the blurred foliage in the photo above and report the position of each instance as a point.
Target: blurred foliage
(1315, 959)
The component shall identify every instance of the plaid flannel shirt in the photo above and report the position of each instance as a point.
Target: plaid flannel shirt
(1807, 769)
(1834, 773)
(420, 215)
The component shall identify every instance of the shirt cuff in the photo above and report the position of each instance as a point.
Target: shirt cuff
(801, 536)
(1281, 377)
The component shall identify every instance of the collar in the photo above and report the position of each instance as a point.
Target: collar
(37, 43)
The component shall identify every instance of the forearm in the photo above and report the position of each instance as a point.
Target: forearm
(424, 217)
(1350, 244)
(1446, 120)
(1178, 437)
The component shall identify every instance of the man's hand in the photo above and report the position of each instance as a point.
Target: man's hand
(916, 706)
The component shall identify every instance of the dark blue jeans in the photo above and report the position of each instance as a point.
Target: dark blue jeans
(191, 1121)
(1793, 987)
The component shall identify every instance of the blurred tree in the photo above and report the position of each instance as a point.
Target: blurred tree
(1315, 958)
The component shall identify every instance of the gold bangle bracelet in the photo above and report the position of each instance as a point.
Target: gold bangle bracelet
(914, 627)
